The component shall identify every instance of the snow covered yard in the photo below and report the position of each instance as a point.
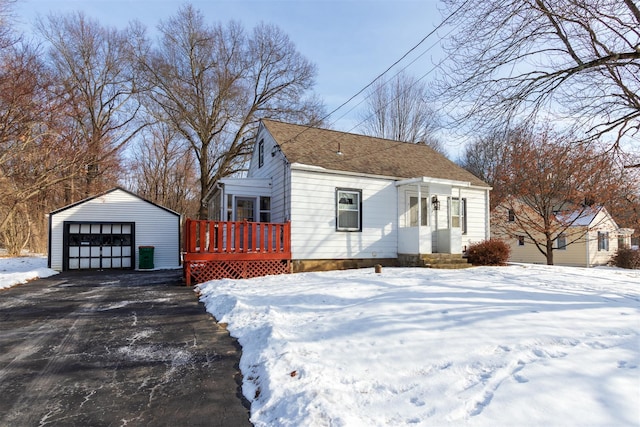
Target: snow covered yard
(14, 271)
(504, 346)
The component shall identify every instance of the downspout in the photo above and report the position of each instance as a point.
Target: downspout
(487, 217)
(220, 187)
(285, 177)
(419, 217)
(460, 218)
(587, 243)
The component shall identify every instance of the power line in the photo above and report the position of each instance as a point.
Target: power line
(440, 25)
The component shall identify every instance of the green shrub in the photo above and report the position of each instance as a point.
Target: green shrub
(626, 258)
(489, 252)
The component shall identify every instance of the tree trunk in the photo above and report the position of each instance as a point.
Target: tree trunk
(549, 252)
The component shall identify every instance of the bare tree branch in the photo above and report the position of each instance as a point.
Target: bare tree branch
(575, 61)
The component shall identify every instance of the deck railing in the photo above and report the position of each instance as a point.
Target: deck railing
(235, 249)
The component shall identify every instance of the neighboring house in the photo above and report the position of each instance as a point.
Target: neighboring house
(586, 238)
(355, 200)
(107, 230)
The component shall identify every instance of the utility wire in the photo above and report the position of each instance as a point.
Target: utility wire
(440, 25)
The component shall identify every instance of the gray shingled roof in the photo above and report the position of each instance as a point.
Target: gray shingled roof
(364, 154)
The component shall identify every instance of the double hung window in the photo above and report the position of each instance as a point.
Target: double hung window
(561, 242)
(348, 210)
(603, 240)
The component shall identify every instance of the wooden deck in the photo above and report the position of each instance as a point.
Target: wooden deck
(235, 249)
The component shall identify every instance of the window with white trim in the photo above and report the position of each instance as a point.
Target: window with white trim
(261, 153)
(265, 209)
(413, 211)
(348, 209)
(561, 242)
(520, 240)
(603, 240)
(459, 214)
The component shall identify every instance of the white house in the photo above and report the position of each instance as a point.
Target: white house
(355, 200)
(107, 230)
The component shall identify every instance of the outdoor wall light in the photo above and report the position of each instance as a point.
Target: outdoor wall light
(435, 203)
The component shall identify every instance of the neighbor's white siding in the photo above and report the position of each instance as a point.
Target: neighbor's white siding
(154, 226)
(313, 217)
(603, 223)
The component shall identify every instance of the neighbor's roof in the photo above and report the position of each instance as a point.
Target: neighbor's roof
(364, 154)
(581, 217)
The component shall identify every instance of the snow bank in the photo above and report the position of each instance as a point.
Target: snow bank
(14, 271)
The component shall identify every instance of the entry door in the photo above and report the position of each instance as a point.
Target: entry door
(245, 209)
(93, 246)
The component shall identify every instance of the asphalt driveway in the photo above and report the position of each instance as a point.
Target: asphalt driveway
(115, 349)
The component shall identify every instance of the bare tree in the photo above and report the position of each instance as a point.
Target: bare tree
(399, 109)
(92, 68)
(213, 83)
(36, 151)
(625, 206)
(551, 184)
(163, 170)
(484, 157)
(7, 34)
(574, 60)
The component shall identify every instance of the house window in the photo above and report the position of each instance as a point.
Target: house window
(413, 211)
(621, 243)
(459, 214)
(603, 241)
(348, 210)
(215, 208)
(265, 209)
(512, 215)
(561, 242)
(229, 207)
(520, 240)
(261, 153)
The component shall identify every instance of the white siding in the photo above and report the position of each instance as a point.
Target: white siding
(313, 217)
(477, 219)
(154, 225)
(275, 168)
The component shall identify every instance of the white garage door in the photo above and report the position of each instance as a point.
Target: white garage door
(99, 245)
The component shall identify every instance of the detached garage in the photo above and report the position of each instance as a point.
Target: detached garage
(109, 230)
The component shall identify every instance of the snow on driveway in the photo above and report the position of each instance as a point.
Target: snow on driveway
(488, 346)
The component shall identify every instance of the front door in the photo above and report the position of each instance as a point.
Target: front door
(245, 209)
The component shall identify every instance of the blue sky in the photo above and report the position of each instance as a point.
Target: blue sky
(350, 41)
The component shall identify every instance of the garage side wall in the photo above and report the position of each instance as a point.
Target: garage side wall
(154, 226)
